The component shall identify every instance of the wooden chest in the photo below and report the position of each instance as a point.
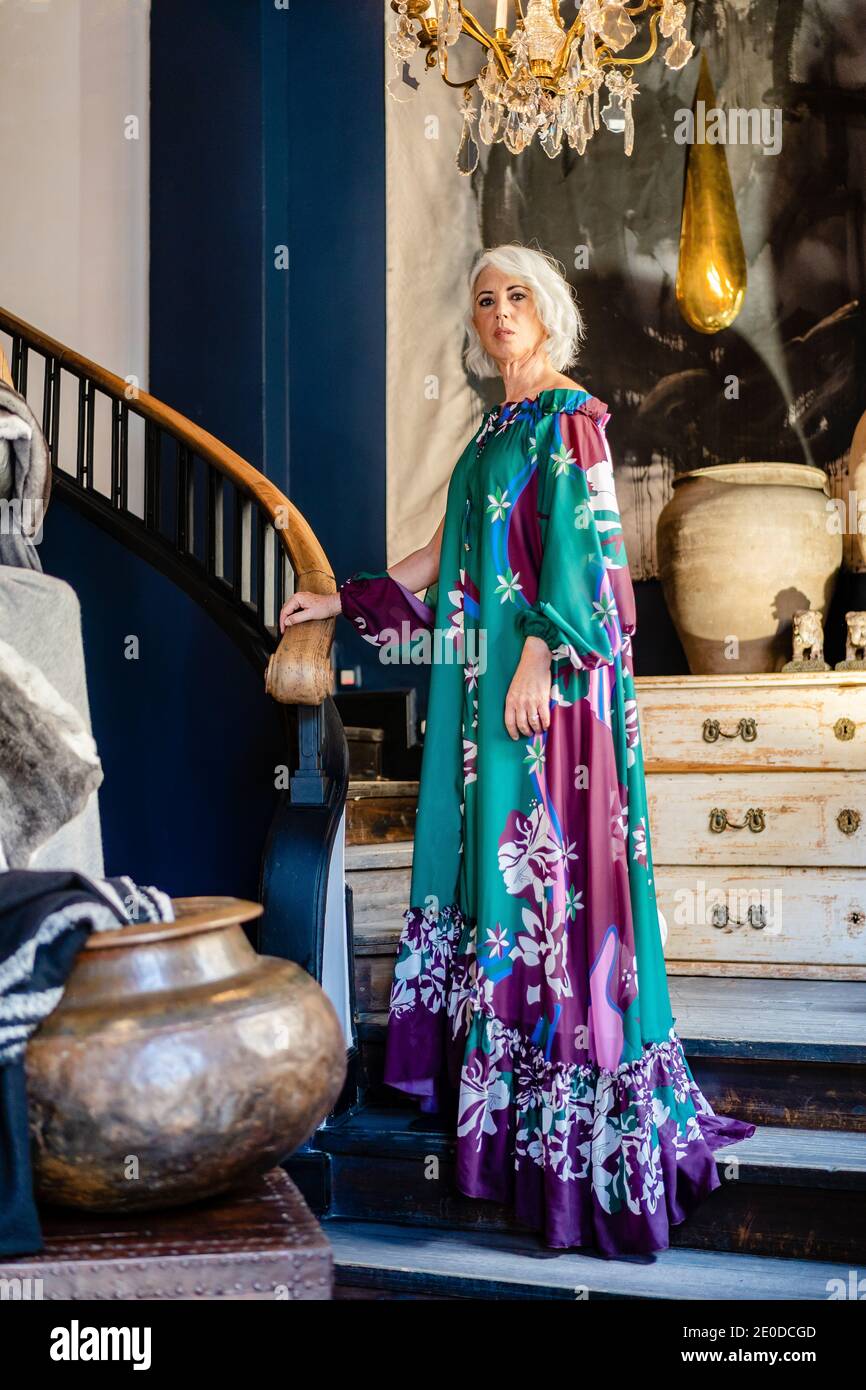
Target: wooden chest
(757, 810)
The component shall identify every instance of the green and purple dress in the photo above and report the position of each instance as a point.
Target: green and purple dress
(529, 987)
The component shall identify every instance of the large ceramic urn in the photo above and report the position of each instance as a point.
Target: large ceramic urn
(742, 546)
(178, 1062)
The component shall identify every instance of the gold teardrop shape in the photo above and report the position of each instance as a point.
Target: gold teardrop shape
(711, 275)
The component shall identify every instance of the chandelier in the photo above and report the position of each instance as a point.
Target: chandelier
(543, 79)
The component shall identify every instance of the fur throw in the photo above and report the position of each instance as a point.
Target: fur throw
(49, 765)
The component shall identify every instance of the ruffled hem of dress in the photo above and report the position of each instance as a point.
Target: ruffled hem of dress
(586, 1156)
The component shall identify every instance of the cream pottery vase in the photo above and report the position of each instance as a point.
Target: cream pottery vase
(741, 547)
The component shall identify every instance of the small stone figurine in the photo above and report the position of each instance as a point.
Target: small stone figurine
(855, 643)
(808, 641)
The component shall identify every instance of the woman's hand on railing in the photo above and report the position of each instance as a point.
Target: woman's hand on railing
(304, 606)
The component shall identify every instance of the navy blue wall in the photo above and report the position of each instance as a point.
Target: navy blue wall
(187, 739)
(205, 212)
(250, 154)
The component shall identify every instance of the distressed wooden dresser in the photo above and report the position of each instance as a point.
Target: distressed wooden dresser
(756, 788)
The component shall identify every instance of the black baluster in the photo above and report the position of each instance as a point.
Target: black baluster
(279, 578)
(123, 498)
(115, 451)
(182, 518)
(83, 401)
(151, 497)
(51, 406)
(261, 541)
(210, 512)
(20, 363)
(88, 445)
(238, 538)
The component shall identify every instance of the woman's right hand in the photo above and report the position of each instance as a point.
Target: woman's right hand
(303, 606)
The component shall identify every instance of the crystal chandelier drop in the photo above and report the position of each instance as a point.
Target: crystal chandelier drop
(542, 79)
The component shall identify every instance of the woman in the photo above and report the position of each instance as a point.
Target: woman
(529, 989)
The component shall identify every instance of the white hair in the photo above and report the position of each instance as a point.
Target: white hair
(555, 303)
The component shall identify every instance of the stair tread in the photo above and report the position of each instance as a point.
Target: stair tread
(360, 787)
(763, 1010)
(502, 1263)
(374, 938)
(798, 1020)
(391, 854)
(380, 920)
(834, 1158)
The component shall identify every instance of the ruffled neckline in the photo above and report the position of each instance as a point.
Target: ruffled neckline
(552, 401)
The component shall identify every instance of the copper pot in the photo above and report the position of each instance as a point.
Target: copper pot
(178, 1062)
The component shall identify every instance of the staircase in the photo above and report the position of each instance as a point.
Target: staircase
(790, 1056)
(215, 526)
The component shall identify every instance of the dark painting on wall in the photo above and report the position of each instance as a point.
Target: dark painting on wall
(797, 349)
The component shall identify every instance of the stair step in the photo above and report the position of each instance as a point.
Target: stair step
(375, 889)
(492, 1265)
(396, 854)
(786, 1192)
(374, 937)
(363, 789)
(821, 1159)
(787, 1020)
(824, 1019)
(774, 1052)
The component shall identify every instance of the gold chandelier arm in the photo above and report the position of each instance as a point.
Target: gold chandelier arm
(480, 35)
(465, 82)
(606, 57)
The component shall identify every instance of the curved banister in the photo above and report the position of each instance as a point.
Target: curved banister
(299, 671)
(215, 526)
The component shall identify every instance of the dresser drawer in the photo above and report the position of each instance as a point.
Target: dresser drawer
(788, 917)
(781, 721)
(801, 818)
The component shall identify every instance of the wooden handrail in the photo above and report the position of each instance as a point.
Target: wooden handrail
(299, 671)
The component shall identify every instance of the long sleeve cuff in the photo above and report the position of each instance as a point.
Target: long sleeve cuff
(543, 620)
(382, 609)
(532, 623)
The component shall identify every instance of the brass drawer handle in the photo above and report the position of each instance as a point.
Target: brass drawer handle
(848, 821)
(720, 821)
(756, 917)
(844, 729)
(747, 730)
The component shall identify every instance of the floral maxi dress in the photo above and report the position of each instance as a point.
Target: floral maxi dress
(529, 988)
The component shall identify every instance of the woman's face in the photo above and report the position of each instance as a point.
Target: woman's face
(505, 316)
